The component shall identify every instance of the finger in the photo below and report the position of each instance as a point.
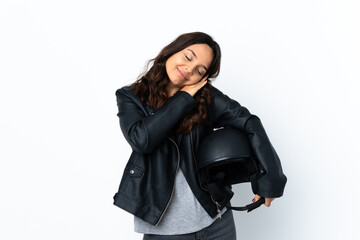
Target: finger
(201, 83)
(268, 201)
(205, 77)
(256, 198)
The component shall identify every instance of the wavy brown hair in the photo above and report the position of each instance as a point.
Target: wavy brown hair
(151, 86)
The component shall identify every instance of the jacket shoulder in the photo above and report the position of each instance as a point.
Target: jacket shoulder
(126, 97)
(219, 100)
(216, 94)
(126, 90)
(215, 91)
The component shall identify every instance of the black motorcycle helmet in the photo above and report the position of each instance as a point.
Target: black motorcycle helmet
(224, 158)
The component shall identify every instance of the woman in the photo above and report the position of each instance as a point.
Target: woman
(164, 116)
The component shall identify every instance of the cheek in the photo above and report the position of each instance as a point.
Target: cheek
(193, 80)
(170, 64)
(168, 67)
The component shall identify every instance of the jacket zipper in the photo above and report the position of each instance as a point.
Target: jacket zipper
(172, 191)
(177, 168)
(215, 202)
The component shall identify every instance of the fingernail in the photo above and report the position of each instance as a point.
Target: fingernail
(253, 200)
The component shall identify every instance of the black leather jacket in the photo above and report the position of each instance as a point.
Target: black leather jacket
(148, 180)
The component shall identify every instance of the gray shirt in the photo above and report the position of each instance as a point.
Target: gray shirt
(183, 215)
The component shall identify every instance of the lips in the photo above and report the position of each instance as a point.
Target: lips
(181, 74)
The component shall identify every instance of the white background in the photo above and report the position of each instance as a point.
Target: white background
(295, 64)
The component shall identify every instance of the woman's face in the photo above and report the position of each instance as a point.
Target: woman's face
(189, 66)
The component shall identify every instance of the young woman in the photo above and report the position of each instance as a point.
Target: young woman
(164, 116)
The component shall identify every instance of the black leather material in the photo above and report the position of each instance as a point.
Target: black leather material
(156, 156)
(222, 145)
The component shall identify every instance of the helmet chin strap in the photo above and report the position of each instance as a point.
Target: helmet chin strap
(216, 186)
(248, 207)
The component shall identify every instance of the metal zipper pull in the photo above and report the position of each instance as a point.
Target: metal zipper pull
(218, 210)
(217, 207)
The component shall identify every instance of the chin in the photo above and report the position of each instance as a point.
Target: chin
(176, 83)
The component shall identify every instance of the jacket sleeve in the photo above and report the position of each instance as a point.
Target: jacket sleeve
(143, 132)
(228, 112)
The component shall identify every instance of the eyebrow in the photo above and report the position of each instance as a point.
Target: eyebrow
(196, 56)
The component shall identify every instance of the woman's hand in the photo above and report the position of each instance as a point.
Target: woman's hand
(267, 200)
(192, 89)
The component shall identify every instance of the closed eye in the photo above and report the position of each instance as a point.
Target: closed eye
(189, 59)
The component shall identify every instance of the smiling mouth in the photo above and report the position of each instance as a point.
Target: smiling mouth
(181, 74)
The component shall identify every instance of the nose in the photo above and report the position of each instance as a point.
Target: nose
(189, 70)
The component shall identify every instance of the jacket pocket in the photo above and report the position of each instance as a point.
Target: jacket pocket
(133, 171)
(133, 185)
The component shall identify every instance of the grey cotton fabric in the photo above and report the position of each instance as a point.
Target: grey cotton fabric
(183, 215)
